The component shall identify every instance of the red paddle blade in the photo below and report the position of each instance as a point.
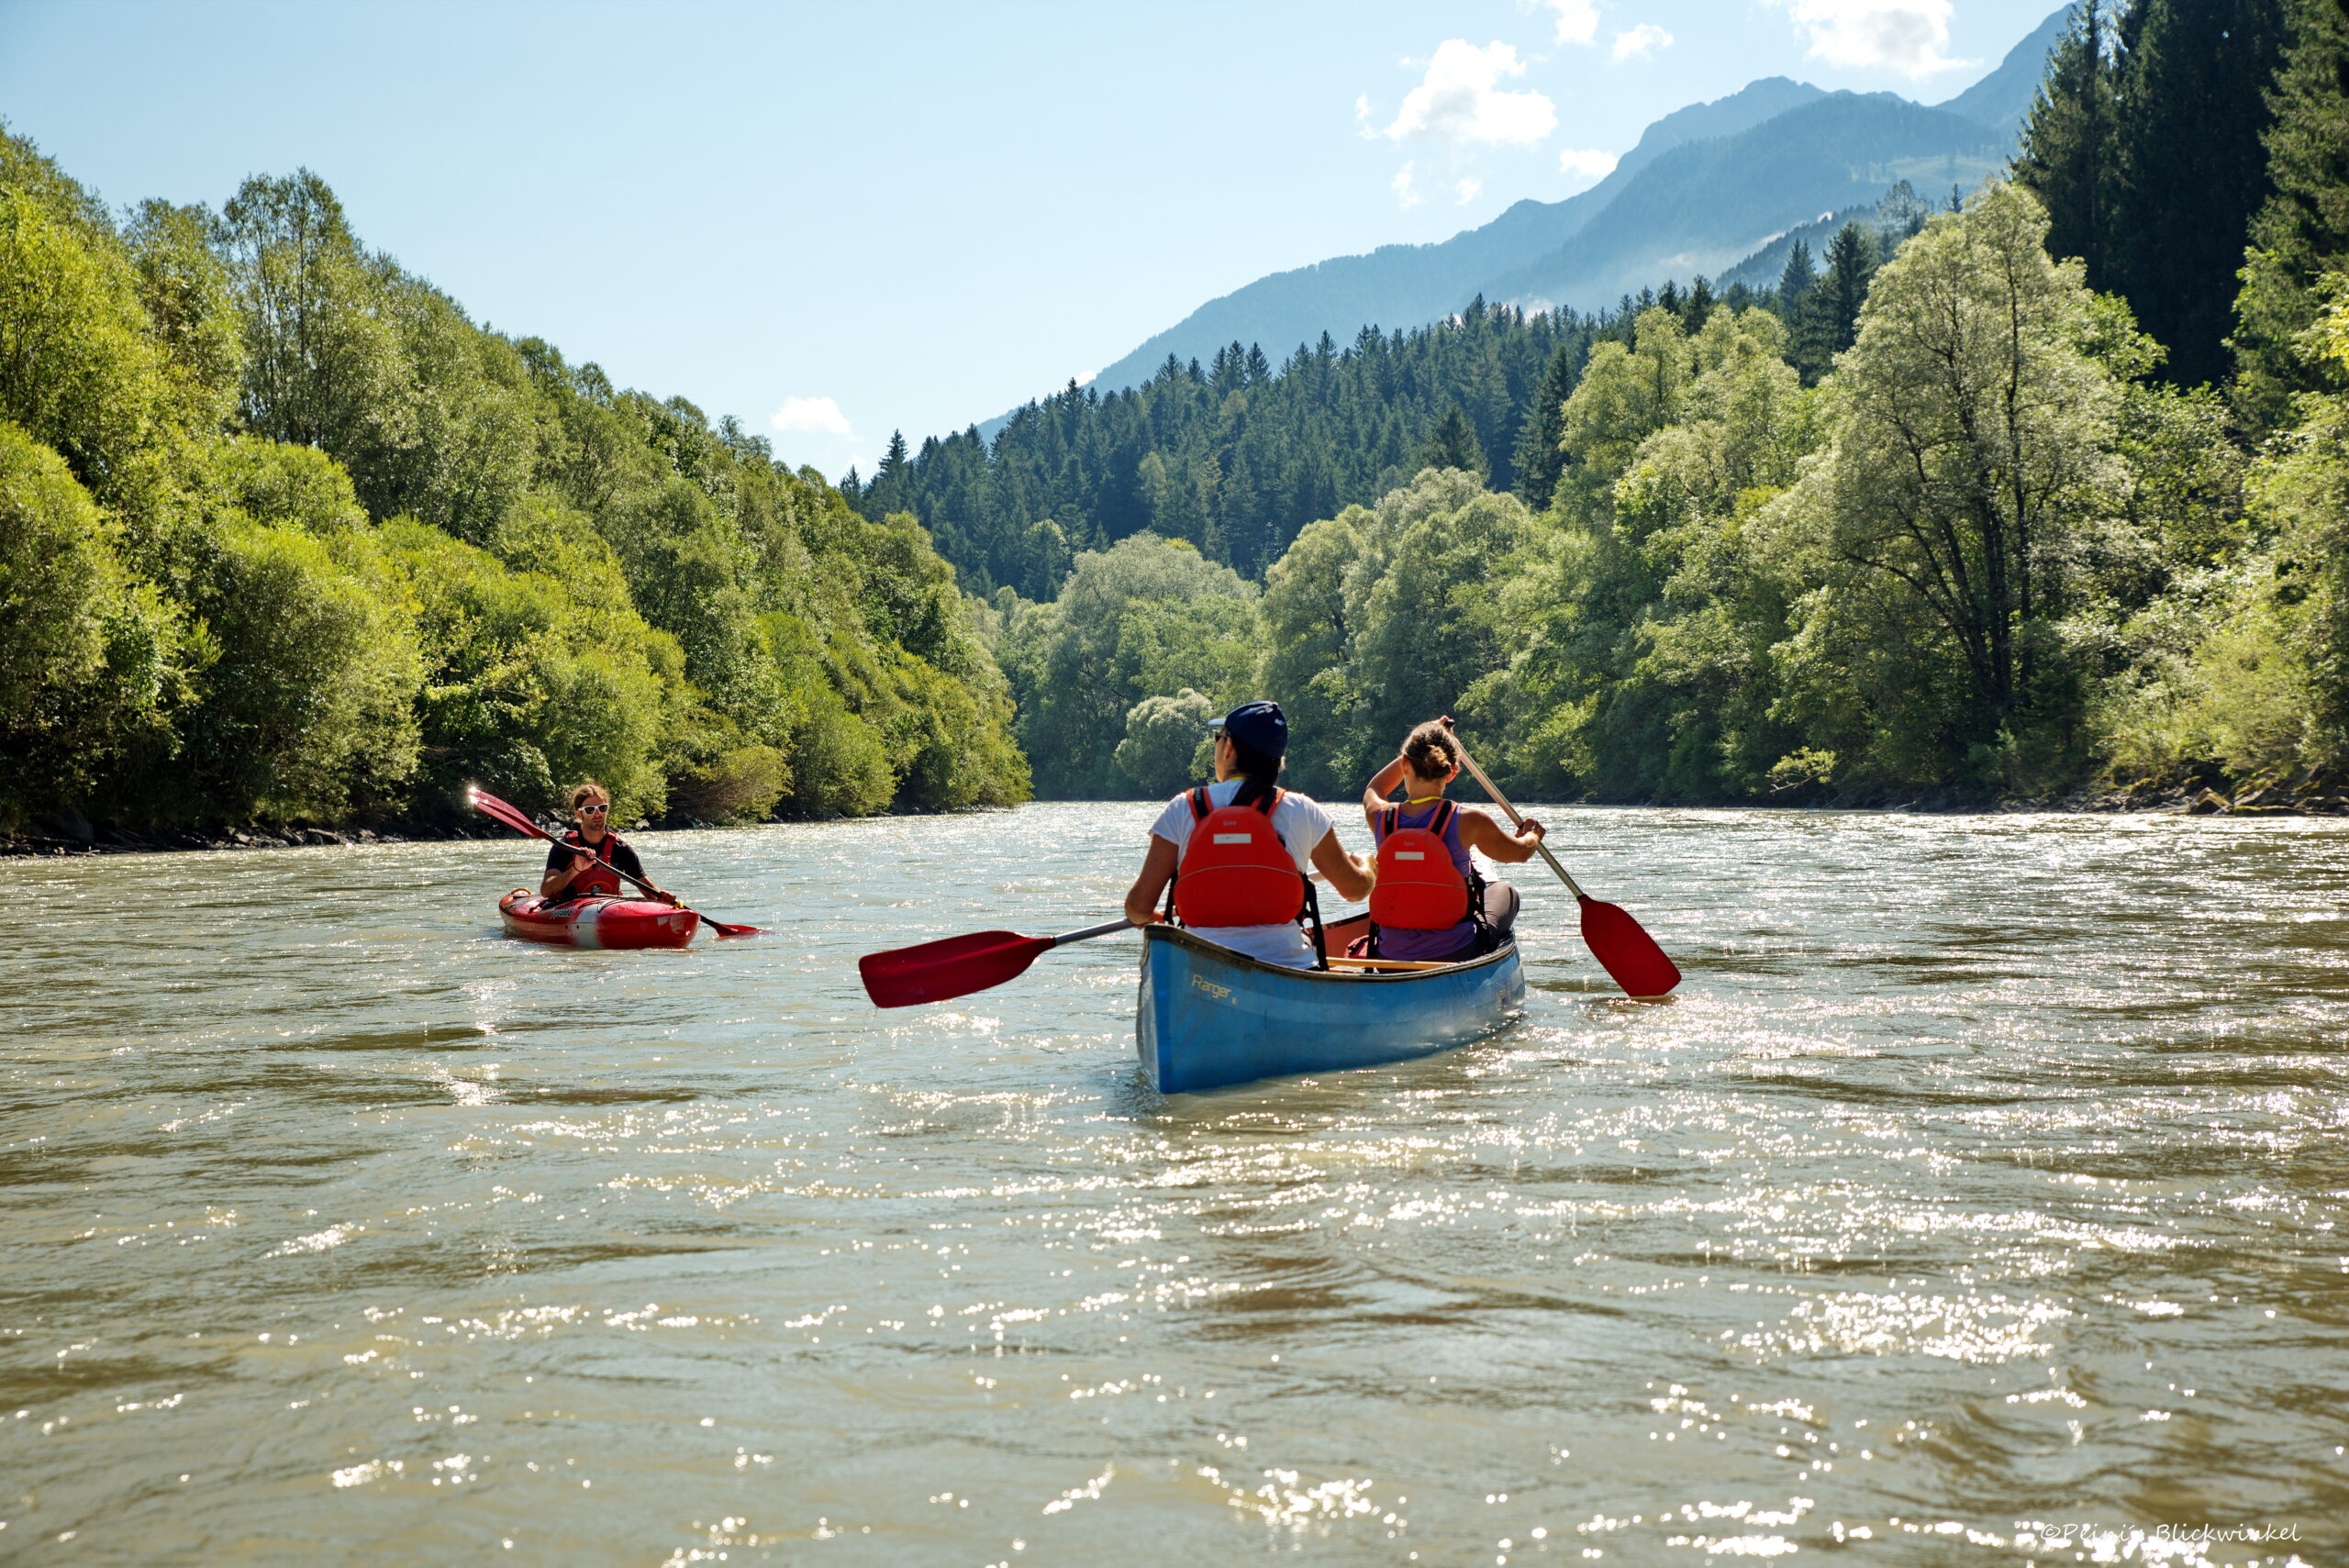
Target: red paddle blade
(1626, 951)
(723, 930)
(490, 805)
(954, 967)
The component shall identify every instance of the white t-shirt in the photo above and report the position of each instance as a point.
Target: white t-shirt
(1301, 822)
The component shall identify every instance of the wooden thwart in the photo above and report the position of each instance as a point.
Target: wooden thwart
(1388, 964)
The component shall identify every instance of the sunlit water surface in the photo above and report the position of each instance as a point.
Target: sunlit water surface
(1976, 1201)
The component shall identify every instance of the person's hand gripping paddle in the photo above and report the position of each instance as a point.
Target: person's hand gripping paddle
(1620, 944)
(956, 966)
(515, 818)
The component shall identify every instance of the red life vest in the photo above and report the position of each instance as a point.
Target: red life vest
(1419, 887)
(599, 880)
(1235, 870)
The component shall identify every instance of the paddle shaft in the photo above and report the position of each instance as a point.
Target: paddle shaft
(1090, 932)
(1515, 820)
(608, 865)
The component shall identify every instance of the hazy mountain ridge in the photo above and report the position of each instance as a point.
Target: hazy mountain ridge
(1707, 204)
(1404, 285)
(1706, 187)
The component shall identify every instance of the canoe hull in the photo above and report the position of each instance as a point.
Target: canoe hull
(596, 922)
(1210, 1016)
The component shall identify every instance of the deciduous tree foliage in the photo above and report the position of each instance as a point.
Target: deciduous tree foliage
(288, 536)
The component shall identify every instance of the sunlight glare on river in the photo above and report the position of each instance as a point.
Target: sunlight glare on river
(1976, 1201)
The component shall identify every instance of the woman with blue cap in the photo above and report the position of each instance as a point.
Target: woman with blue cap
(1234, 858)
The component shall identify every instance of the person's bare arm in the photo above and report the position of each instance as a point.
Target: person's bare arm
(552, 884)
(1373, 795)
(1350, 874)
(1479, 832)
(1157, 871)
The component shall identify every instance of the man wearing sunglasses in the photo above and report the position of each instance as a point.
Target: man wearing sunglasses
(588, 862)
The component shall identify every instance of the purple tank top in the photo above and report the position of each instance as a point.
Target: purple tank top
(1394, 943)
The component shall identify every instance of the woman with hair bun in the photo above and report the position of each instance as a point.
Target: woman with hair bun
(1429, 760)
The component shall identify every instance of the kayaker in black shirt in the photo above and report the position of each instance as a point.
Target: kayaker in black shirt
(587, 861)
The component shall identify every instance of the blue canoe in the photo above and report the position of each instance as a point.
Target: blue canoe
(1211, 1016)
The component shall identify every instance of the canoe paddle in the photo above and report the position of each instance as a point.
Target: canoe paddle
(1620, 944)
(956, 966)
(490, 805)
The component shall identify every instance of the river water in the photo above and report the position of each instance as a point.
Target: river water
(1978, 1200)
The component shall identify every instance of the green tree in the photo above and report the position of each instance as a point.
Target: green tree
(1828, 321)
(78, 371)
(1147, 613)
(322, 365)
(1308, 629)
(1164, 737)
(1453, 443)
(1538, 460)
(2069, 158)
(2302, 232)
(1972, 436)
(1795, 281)
(2191, 110)
(92, 659)
(1626, 394)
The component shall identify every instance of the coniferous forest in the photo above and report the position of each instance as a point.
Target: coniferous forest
(2040, 494)
(2043, 494)
(286, 537)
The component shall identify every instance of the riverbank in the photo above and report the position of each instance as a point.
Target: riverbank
(2317, 796)
(77, 837)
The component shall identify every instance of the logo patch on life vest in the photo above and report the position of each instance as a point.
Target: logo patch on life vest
(1235, 838)
(1410, 855)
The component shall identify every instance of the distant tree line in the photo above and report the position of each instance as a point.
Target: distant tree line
(285, 536)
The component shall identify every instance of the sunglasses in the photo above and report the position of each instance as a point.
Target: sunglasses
(591, 810)
(1216, 730)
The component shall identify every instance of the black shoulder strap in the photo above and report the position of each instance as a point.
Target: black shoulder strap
(1388, 817)
(1198, 798)
(1444, 812)
(1270, 802)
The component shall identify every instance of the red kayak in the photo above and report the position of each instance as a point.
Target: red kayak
(596, 922)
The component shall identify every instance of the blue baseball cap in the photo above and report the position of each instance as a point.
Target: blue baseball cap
(1260, 725)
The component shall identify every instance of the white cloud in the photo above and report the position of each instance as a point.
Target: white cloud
(1407, 194)
(1905, 36)
(1088, 378)
(1590, 164)
(1643, 42)
(1460, 101)
(812, 416)
(1577, 22)
(1468, 189)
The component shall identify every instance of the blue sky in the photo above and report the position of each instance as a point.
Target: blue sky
(833, 219)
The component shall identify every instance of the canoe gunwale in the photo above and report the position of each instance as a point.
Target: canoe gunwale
(1217, 953)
